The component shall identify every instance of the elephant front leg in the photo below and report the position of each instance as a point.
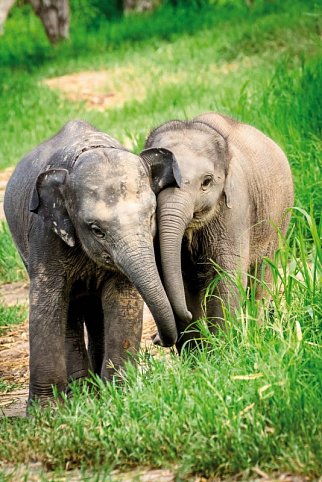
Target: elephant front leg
(47, 328)
(123, 317)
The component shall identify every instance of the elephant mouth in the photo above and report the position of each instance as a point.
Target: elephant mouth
(107, 262)
(107, 258)
(197, 221)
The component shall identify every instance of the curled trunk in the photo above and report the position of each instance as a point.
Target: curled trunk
(174, 214)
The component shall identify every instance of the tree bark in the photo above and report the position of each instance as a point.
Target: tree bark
(54, 15)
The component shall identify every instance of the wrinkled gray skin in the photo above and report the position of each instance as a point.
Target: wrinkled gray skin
(81, 210)
(236, 185)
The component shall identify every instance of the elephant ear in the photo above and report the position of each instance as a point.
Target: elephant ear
(163, 168)
(229, 180)
(229, 189)
(48, 202)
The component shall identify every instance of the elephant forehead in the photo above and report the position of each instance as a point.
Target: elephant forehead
(195, 151)
(123, 215)
(193, 163)
(108, 167)
(110, 182)
(124, 196)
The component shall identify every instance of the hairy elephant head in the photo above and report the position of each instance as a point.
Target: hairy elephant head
(106, 201)
(206, 187)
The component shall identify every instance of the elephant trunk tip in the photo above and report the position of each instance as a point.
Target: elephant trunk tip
(182, 313)
(168, 340)
(187, 316)
(165, 343)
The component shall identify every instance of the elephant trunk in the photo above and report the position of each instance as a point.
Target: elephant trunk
(138, 264)
(174, 214)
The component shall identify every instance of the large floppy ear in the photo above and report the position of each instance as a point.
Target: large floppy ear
(163, 167)
(48, 202)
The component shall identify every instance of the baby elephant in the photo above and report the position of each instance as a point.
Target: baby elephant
(81, 210)
(236, 185)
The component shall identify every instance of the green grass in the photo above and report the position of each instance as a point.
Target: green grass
(244, 62)
(11, 315)
(7, 387)
(253, 399)
(11, 266)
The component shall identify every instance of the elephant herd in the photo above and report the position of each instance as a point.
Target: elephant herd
(101, 229)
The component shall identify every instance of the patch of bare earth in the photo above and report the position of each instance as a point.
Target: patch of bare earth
(113, 87)
(143, 474)
(102, 89)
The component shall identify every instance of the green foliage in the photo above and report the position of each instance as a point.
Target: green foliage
(11, 266)
(92, 13)
(6, 387)
(253, 397)
(292, 98)
(11, 315)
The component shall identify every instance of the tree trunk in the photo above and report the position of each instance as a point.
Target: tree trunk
(54, 15)
(5, 6)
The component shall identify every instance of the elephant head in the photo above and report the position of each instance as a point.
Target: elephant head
(104, 202)
(206, 184)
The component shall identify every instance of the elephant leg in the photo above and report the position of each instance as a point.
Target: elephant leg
(77, 364)
(47, 330)
(94, 320)
(123, 318)
(263, 273)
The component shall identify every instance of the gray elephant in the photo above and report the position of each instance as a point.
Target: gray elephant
(236, 186)
(81, 210)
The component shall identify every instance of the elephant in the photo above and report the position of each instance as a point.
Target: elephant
(236, 186)
(81, 210)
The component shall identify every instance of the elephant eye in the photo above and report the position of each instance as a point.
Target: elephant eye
(206, 182)
(96, 230)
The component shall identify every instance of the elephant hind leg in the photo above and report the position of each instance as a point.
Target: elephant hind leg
(261, 273)
(75, 350)
(94, 321)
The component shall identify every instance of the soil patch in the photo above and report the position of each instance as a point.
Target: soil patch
(102, 89)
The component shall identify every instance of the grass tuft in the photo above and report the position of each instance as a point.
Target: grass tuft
(11, 266)
(11, 315)
(252, 399)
